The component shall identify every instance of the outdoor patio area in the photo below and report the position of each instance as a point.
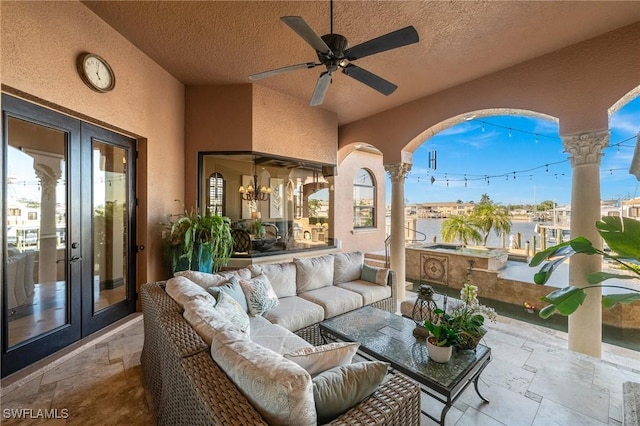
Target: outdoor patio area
(532, 380)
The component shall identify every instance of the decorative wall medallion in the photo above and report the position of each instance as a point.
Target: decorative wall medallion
(434, 268)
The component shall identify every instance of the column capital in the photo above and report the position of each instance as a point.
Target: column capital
(397, 171)
(586, 148)
(48, 179)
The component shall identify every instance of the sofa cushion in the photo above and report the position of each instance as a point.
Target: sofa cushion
(202, 316)
(281, 275)
(295, 313)
(277, 338)
(374, 274)
(337, 390)
(182, 290)
(334, 300)
(370, 292)
(316, 359)
(206, 280)
(279, 389)
(233, 289)
(260, 295)
(313, 273)
(232, 311)
(347, 267)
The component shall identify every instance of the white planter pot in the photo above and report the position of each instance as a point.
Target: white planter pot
(441, 354)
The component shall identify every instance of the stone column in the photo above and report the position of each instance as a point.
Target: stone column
(585, 151)
(47, 169)
(398, 172)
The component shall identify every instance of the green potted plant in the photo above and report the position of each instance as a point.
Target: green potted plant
(468, 316)
(622, 235)
(199, 242)
(443, 337)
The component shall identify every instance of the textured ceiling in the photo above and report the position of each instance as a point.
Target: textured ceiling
(216, 42)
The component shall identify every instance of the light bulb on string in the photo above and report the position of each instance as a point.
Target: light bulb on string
(509, 132)
(536, 138)
(546, 168)
(514, 175)
(482, 127)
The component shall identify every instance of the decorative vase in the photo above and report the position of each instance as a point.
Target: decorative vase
(441, 354)
(469, 340)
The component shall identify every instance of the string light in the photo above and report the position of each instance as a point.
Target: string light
(466, 178)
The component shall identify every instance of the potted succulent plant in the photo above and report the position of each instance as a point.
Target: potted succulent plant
(199, 242)
(443, 337)
(622, 235)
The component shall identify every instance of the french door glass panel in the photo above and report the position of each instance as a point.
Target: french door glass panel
(37, 286)
(110, 233)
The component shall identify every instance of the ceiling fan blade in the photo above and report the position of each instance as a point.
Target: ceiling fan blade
(363, 76)
(265, 74)
(399, 38)
(298, 25)
(321, 89)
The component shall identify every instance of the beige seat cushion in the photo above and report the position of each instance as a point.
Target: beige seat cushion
(279, 389)
(347, 267)
(334, 300)
(205, 280)
(295, 313)
(182, 290)
(313, 273)
(278, 339)
(282, 277)
(370, 292)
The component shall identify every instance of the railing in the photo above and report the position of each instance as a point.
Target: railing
(387, 244)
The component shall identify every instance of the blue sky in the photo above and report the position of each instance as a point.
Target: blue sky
(500, 145)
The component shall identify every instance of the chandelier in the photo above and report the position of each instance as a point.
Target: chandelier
(254, 192)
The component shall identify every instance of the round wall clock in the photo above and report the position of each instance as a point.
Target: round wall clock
(96, 72)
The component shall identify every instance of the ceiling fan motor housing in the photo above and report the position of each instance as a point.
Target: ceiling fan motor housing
(337, 43)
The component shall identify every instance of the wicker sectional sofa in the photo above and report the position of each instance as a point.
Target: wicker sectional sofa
(189, 387)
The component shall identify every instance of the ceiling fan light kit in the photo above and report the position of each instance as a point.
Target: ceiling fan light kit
(334, 53)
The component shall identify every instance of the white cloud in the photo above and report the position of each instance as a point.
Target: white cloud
(627, 123)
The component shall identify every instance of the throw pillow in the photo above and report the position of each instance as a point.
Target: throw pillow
(348, 267)
(233, 289)
(260, 295)
(313, 273)
(316, 359)
(374, 275)
(232, 311)
(337, 390)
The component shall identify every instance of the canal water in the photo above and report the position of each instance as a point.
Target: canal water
(431, 228)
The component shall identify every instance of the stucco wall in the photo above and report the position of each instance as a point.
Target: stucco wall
(40, 43)
(247, 117)
(364, 240)
(217, 118)
(576, 84)
(289, 127)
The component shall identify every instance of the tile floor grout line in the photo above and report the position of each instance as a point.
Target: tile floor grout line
(7, 388)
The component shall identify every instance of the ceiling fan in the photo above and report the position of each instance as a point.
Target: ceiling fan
(334, 53)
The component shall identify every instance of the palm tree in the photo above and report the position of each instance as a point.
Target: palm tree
(460, 228)
(488, 215)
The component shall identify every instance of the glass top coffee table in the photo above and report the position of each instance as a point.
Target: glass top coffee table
(388, 337)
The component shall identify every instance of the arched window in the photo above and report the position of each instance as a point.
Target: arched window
(364, 200)
(215, 194)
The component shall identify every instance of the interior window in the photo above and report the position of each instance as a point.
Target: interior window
(364, 201)
(275, 204)
(215, 194)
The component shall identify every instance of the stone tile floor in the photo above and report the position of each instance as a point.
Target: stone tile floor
(532, 380)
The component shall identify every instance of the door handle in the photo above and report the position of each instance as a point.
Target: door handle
(75, 259)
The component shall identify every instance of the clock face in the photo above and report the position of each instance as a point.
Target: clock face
(97, 73)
